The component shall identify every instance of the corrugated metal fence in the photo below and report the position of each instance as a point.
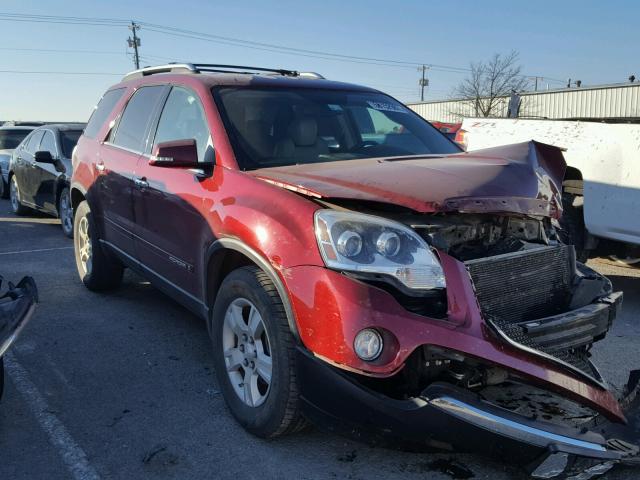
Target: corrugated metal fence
(606, 101)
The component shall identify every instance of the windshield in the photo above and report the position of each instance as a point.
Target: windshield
(274, 127)
(68, 139)
(10, 139)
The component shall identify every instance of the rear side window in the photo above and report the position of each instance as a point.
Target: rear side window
(183, 118)
(48, 144)
(132, 128)
(68, 140)
(102, 111)
(34, 141)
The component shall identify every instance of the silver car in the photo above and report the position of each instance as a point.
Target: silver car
(10, 138)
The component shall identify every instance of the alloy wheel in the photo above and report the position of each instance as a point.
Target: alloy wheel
(84, 245)
(247, 352)
(14, 194)
(66, 212)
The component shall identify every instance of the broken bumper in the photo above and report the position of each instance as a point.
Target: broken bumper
(16, 308)
(447, 417)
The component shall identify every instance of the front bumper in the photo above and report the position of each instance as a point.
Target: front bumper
(447, 417)
(330, 309)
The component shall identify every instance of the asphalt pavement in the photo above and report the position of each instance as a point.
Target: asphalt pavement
(121, 386)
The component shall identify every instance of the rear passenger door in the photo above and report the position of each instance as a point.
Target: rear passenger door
(24, 168)
(45, 175)
(116, 166)
(171, 228)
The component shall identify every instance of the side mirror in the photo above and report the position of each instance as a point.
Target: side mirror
(42, 156)
(175, 154)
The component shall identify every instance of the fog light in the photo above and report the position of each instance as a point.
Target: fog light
(368, 344)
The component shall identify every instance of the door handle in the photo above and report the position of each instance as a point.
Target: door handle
(141, 182)
(100, 166)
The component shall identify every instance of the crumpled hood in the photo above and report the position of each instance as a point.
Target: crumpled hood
(520, 178)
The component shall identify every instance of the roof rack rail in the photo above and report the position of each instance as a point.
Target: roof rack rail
(169, 67)
(213, 67)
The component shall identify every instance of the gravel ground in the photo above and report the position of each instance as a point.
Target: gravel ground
(121, 385)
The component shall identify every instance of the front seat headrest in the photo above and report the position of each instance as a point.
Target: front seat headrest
(304, 131)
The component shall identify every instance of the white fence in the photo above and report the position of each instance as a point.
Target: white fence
(607, 101)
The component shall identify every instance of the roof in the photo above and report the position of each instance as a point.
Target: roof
(13, 127)
(64, 126)
(250, 76)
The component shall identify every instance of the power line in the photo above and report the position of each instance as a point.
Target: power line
(34, 72)
(57, 50)
(179, 32)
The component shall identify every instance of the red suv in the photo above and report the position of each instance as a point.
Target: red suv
(355, 268)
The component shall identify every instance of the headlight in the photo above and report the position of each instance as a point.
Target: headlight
(367, 244)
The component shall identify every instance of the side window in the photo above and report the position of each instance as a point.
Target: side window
(102, 111)
(48, 143)
(183, 118)
(34, 141)
(132, 128)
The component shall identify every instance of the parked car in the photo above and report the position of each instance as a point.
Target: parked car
(388, 286)
(449, 129)
(40, 171)
(17, 305)
(10, 138)
(601, 187)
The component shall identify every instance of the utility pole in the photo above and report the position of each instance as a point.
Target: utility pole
(134, 43)
(423, 82)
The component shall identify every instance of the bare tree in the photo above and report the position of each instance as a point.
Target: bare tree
(490, 83)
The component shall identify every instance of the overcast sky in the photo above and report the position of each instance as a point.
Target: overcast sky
(594, 41)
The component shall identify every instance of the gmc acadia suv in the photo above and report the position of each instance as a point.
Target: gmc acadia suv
(355, 268)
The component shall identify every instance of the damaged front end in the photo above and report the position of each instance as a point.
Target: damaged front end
(497, 361)
(17, 305)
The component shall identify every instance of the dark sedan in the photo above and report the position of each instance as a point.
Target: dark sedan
(39, 172)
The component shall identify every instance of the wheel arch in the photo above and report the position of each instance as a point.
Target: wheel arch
(573, 181)
(61, 184)
(78, 194)
(228, 254)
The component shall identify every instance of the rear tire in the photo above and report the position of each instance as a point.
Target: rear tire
(248, 297)
(572, 227)
(98, 270)
(14, 195)
(65, 212)
(1, 377)
(4, 188)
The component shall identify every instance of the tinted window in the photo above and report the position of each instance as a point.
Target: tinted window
(183, 118)
(132, 128)
(275, 126)
(68, 140)
(34, 141)
(48, 143)
(102, 111)
(10, 139)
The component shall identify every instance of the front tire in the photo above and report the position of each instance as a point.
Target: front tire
(254, 354)
(65, 212)
(14, 196)
(98, 270)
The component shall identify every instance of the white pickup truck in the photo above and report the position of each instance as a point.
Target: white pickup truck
(602, 183)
